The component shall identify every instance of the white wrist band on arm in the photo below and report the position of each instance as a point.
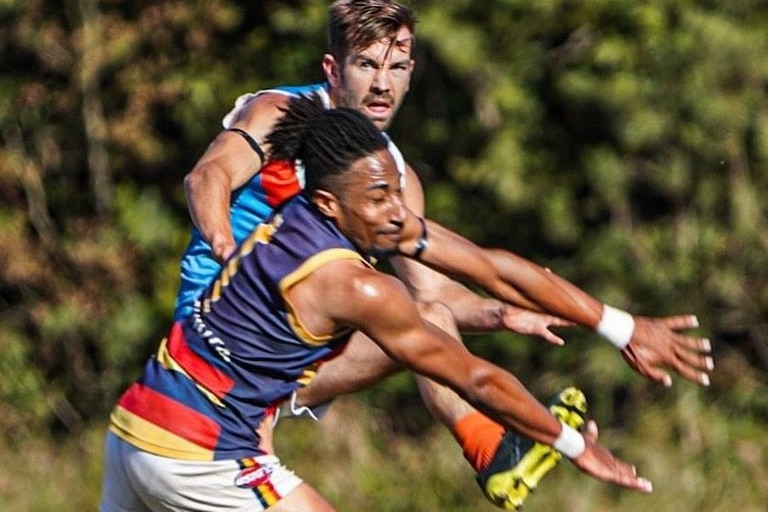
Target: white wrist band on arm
(570, 442)
(616, 326)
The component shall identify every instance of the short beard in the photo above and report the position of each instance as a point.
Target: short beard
(383, 254)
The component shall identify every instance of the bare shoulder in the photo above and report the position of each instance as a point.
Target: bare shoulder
(353, 291)
(413, 193)
(354, 279)
(410, 173)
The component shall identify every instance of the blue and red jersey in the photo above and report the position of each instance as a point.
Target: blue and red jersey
(250, 205)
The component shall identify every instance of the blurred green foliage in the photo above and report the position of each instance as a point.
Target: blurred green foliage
(623, 144)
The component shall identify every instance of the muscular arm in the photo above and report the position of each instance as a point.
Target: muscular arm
(505, 275)
(227, 164)
(348, 294)
(653, 342)
(472, 312)
(425, 349)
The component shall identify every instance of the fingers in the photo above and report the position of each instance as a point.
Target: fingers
(660, 376)
(693, 359)
(648, 368)
(681, 322)
(637, 483)
(657, 347)
(625, 475)
(552, 337)
(700, 345)
(696, 365)
(556, 321)
(601, 464)
(591, 432)
(534, 323)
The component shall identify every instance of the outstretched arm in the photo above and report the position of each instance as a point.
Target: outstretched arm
(473, 312)
(649, 345)
(379, 306)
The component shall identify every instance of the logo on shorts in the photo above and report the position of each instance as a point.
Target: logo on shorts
(252, 477)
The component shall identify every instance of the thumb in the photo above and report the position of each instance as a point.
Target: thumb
(552, 338)
(591, 432)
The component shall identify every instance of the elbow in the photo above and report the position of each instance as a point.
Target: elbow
(202, 178)
(193, 180)
(482, 382)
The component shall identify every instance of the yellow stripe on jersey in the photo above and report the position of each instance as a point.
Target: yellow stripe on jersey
(169, 363)
(304, 270)
(137, 431)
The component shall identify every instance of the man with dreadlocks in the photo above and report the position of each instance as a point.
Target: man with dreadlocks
(182, 437)
(234, 186)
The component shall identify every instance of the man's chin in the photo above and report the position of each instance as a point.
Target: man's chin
(382, 123)
(383, 253)
(381, 118)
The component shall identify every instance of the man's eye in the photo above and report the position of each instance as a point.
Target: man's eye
(378, 198)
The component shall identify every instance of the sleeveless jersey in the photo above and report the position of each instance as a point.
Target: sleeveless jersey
(242, 351)
(250, 205)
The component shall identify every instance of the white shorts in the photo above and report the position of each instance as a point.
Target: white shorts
(137, 481)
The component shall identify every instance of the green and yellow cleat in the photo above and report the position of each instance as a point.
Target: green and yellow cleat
(519, 463)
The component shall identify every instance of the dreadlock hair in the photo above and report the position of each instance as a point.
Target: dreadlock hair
(356, 24)
(326, 141)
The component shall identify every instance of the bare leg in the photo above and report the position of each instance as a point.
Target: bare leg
(441, 401)
(491, 452)
(303, 499)
(363, 363)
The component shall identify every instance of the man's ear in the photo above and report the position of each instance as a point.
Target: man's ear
(331, 69)
(326, 202)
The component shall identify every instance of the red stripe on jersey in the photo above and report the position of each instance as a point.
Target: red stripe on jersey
(201, 371)
(170, 415)
(279, 181)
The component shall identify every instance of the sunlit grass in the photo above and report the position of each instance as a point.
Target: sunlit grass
(41, 475)
(698, 458)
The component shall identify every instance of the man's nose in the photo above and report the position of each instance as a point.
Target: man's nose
(381, 80)
(399, 212)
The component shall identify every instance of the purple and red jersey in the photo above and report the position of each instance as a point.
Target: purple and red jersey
(242, 351)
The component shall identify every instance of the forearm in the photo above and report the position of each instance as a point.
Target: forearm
(430, 351)
(473, 313)
(502, 397)
(208, 198)
(229, 162)
(504, 275)
(546, 290)
(538, 289)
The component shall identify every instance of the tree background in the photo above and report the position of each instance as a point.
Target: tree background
(622, 143)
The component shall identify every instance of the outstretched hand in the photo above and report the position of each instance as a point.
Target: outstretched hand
(656, 346)
(524, 321)
(600, 463)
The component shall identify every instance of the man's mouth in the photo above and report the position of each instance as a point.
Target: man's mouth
(396, 235)
(379, 107)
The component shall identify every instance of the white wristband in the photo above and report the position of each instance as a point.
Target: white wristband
(570, 442)
(616, 326)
